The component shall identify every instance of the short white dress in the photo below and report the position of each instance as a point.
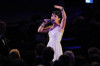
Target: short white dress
(55, 37)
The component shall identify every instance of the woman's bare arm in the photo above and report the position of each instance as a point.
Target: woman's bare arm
(64, 17)
(42, 29)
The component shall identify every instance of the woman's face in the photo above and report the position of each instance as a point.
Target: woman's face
(54, 18)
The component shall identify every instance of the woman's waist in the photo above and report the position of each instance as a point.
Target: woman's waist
(55, 40)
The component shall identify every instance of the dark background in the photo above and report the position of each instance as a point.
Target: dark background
(23, 19)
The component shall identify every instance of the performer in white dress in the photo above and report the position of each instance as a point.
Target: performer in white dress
(55, 31)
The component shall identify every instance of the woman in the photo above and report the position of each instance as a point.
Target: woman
(55, 31)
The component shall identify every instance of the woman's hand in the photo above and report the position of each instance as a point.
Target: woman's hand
(47, 21)
(58, 7)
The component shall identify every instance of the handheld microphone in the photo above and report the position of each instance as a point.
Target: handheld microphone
(49, 20)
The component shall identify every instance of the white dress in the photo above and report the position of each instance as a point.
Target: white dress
(55, 37)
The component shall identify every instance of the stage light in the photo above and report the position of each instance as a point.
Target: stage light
(88, 1)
